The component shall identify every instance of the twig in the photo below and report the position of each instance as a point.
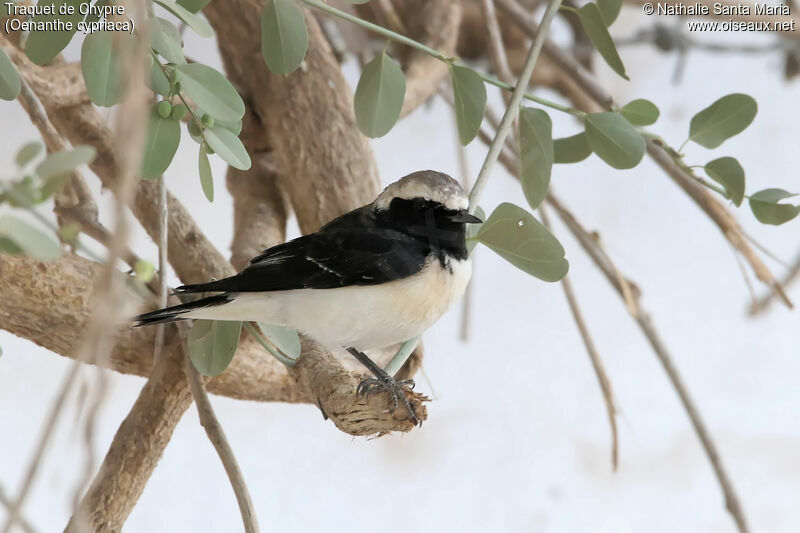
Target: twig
(764, 302)
(594, 356)
(23, 523)
(49, 426)
(513, 106)
(163, 224)
(497, 50)
(603, 262)
(217, 437)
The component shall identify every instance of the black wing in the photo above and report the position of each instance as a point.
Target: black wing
(350, 250)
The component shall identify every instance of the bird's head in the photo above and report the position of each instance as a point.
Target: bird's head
(427, 189)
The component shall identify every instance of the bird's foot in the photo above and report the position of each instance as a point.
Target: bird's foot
(396, 390)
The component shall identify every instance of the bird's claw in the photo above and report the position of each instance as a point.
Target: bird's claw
(370, 386)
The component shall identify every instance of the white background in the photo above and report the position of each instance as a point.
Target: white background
(517, 438)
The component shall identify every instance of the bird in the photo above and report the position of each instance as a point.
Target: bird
(378, 275)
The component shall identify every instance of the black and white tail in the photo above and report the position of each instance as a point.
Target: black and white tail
(171, 314)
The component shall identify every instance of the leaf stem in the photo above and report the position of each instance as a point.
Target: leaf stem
(397, 37)
(256, 334)
(513, 106)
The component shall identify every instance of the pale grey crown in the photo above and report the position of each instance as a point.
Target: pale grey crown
(427, 184)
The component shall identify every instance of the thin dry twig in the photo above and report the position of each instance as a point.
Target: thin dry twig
(762, 303)
(21, 520)
(217, 437)
(163, 225)
(48, 428)
(594, 355)
(497, 50)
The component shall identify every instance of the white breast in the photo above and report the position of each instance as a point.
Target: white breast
(364, 317)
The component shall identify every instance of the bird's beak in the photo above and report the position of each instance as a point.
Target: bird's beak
(465, 217)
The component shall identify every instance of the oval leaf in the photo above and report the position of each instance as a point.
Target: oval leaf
(767, 210)
(523, 241)
(166, 41)
(729, 173)
(28, 152)
(206, 179)
(285, 339)
(595, 26)
(32, 240)
(199, 25)
(571, 149)
(640, 112)
(536, 159)
(212, 91)
(379, 96)
(100, 66)
(469, 93)
(65, 161)
(228, 147)
(158, 79)
(212, 344)
(284, 37)
(613, 138)
(10, 84)
(194, 6)
(43, 45)
(610, 10)
(163, 137)
(723, 119)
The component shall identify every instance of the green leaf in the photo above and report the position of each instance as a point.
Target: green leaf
(28, 152)
(200, 26)
(166, 41)
(8, 246)
(32, 240)
(285, 339)
(469, 93)
(43, 45)
(613, 138)
(595, 26)
(212, 91)
(10, 84)
(206, 180)
(610, 10)
(63, 162)
(212, 344)
(228, 147)
(523, 241)
(357, 2)
(536, 159)
(472, 229)
(101, 66)
(163, 137)
(729, 173)
(767, 210)
(158, 79)
(640, 112)
(379, 96)
(723, 119)
(194, 6)
(571, 149)
(284, 37)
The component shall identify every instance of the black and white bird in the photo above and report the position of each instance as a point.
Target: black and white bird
(376, 276)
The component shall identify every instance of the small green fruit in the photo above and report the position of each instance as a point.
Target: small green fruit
(208, 121)
(164, 109)
(178, 112)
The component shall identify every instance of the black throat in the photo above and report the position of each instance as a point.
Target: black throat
(431, 224)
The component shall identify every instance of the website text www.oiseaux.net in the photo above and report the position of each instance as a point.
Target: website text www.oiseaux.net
(760, 13)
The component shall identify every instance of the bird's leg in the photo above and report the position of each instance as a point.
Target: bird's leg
(383, 381)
